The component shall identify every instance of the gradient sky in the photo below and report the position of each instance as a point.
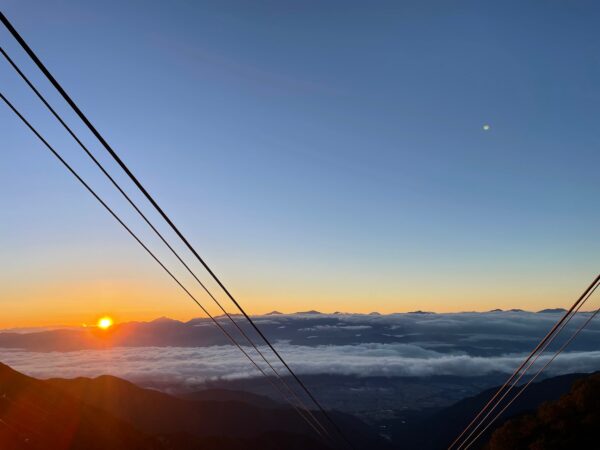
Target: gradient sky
(320, 155)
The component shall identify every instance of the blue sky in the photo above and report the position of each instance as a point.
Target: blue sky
(320, 156)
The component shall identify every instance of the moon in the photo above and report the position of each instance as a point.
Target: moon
(486, 127)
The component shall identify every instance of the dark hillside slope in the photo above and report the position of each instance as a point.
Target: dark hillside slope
(78, 415)
(450, 421)
(36, 416)
(568, 423)
(155, 412)
(232, 395)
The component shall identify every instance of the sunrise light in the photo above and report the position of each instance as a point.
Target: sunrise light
(105, 323)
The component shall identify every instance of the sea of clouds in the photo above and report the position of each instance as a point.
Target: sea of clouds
(465, 345)
(184, 365)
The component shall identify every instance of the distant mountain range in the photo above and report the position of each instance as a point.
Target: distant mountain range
(457, 331)
(110, 413)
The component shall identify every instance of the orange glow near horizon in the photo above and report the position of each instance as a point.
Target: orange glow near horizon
(57, 302)
(105, 323)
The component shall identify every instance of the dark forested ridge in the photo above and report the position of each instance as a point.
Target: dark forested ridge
(411, 432)
(33, 415)
(110, 413)
(570, 422)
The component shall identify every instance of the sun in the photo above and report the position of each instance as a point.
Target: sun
(105, 322)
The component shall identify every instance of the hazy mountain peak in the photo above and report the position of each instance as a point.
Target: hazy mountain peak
(552, 310)
(164, 319)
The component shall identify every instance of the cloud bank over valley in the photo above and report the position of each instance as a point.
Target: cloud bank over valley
(397, 345)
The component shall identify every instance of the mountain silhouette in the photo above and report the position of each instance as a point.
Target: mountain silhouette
(237, 415)
(217, 394)
(553, 310)
(110, 413)
(448, 422)
(34, 415)
(570, 422)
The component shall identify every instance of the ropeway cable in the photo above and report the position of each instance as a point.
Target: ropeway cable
(139, 241)
(71, 103)
(149, 197)
(527, 359)
(541, 369)
(159, 234)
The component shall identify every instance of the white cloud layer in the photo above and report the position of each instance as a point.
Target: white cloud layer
(195, 365)
(463, 344)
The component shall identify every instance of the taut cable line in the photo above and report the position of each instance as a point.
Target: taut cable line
(530, 364)
(141, 243)
(541, 344)
(159, 234)
(541, 369)
(162, 213)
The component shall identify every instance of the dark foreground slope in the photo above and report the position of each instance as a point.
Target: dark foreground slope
(568, 423)
(156, 412)
(33, 415)
(110, 413)
(415, 433)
